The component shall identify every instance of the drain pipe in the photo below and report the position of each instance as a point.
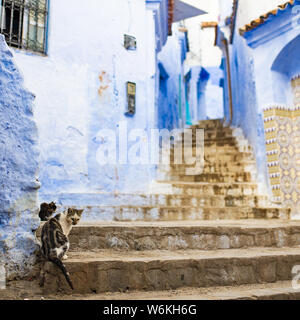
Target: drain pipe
(229, 84)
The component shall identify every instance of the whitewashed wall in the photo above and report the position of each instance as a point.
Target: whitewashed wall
(80, 89)
(250, 10)
(204, 53)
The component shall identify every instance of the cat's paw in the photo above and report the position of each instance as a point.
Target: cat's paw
(65, 257)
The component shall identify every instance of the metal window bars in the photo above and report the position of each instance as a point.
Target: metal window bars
(23, 23)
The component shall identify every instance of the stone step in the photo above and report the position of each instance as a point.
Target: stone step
(213, 151)
(217, 134)
(111, 199)
(200, 235)
(215, 166)
(280, 290)
(209, 134)
(212, 189)
(218, 142)
(225, 172)
(216, 126)
(178, 213)
(115, 271)
(220, 158)
(209, 124)
(209, 177)
(212, 201)
(209, 149)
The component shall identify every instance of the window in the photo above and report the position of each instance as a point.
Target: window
(23, 23)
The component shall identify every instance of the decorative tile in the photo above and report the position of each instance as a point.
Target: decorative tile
(282, 134)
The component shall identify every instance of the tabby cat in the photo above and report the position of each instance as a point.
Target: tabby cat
(54, 237)
(46, 210)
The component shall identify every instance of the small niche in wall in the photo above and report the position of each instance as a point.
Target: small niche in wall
(131, 92)
(129, 42)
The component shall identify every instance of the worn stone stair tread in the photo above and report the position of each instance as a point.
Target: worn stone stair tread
(185, 235)
(153, 195)
(269, 291)
(111, 199)
(178, 235)
(197, 184)
(111, 270)
(161, 199)
(216, 163)
(175, 207)
(173, 213)
(108, 255)
(236, 224)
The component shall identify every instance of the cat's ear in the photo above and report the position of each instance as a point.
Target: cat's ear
(80, 211)
(70, 210)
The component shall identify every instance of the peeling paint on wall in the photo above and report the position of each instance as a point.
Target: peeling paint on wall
(18, 170)
(104, 83)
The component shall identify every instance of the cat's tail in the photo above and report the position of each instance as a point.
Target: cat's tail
(63, 268)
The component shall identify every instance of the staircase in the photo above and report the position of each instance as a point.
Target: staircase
(208, 236)
(226, 189)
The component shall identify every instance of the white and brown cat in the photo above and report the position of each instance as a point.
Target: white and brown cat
(54, 237)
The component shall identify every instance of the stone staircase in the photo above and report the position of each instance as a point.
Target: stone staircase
(175, 259)
(226, 189)
(207, 236)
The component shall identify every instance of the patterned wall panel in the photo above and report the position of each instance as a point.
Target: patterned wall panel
(282, 134)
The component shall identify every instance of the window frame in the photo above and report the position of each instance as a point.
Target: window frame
(33, 20)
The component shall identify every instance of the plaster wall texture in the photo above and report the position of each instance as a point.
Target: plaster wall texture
(204, 53)
(214, 94)
(171, 113)
(245, 112)
(80, 89)
(263, 63)
(201, 41)
(18, 168)
(249, 10)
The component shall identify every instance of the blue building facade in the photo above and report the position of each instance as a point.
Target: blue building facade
(259, 61)
(19, 169)
(83, 83)
(173, 82)
(81, 88)
(182, 88)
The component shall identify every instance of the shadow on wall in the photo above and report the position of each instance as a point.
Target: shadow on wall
(285, 67)
(214, 94)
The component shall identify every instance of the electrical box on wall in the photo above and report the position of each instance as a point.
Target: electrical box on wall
(129, 42)
(131, 92)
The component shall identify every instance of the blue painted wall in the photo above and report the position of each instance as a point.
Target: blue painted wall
(182, 88)
(201, 90)
(245, 110)
(214, 98)
(171, 111)
(80, 92)
(168, 113)
(262, 62)
(18, 168)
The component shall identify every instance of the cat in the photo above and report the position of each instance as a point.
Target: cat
(47, 210)
(54, 238)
